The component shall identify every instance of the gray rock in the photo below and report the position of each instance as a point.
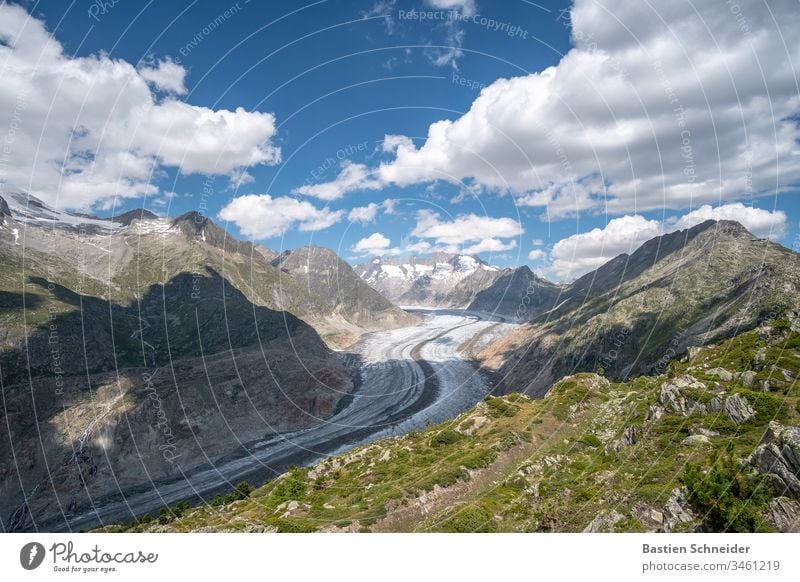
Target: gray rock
(784, 515)
(778, 455)
(604, 522)
(655, 412)
(738, 408)
(677, 510)
(716, 404)
(673, 399)
(696, 439)
(749, 379)
(699, 430)
(630, 436)
(721, 373)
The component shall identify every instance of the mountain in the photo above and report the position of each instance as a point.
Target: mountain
(636, 313)
(701, 448)
(321, 272)
(138, 351)
(517, 293)
(441, 279)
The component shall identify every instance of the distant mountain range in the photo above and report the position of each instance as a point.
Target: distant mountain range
(436, 280)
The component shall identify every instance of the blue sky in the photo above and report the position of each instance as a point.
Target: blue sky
(338, 77)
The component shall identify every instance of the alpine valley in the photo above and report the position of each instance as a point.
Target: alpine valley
(161, 375)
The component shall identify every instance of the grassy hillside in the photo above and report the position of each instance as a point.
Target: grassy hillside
(665, 453)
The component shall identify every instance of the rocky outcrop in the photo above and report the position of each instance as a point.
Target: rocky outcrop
(784, 515)
(778, 456)
(738, 409)
(677, 511)
(604, 522)
(674, 399)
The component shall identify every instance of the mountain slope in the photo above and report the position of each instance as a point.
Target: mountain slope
(441, 279)
(517, 293)
(592, 456)
(134, 353)
(635, 313)
(321, 272)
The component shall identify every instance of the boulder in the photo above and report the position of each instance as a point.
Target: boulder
(738, 408)
(749, 379)
(699, 430)
(778, 455)
(696, 439)
(721, 373)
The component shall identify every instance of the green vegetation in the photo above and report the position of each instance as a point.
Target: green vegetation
(728, 497)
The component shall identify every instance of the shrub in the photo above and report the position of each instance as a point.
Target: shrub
(445, 437)
(727, 497)
(293, 486)
(499, 407)
(244, 489)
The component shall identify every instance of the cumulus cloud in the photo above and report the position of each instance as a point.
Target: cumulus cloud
(375, 244)
(536, 255)
(351, 177)
(468, 233)
(262, 216)
(368, 213)
(464, 228)
(490, 245)
(165, 75)
(584, 252)
(656, 105)
(581, 253)
(90, 129)
(760, 222)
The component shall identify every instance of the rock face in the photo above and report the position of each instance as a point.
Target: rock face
(438, 280)
(778, 456)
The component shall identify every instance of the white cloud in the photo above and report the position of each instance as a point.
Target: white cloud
(165, 75)
(657, 105)
(466, 7)
(584, 252)
(422, 247)
(581, 253)
(368, 213)
(364, 214)
(537, 242)
(490, 245)
(761, 223)
(262, 216)
(90, 129)
(464, 228)
(351, 177)
(536, 255)
(375, 244)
